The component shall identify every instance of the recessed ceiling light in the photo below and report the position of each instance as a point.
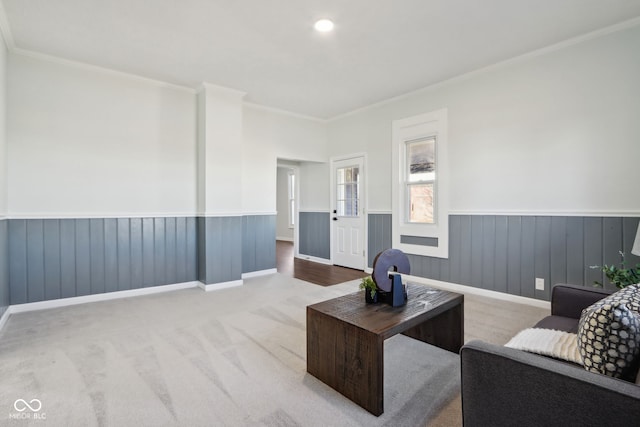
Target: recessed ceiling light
(323, 25)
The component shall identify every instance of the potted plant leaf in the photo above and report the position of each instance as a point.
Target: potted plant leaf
(371, 290)
(622, 276)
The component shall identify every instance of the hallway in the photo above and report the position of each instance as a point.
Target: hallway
(320, 274)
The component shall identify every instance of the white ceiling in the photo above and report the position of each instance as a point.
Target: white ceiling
(268, 48)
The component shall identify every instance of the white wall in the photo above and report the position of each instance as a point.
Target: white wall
(269, 135)
(84, 141)
(282, 220)
(3, 127)
(314, 187)
(90, 142)
(551, 133)
(220, 150)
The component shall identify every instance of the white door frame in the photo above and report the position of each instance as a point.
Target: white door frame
(365, 205)
(296, 225)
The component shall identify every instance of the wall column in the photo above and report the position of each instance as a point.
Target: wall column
(219, 187)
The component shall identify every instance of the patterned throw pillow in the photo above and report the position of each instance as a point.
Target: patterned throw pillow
(609, 334)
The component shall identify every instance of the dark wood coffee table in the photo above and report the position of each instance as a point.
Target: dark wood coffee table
(345, 338)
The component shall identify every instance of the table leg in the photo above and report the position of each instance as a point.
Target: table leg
(446, 330)
(347, 358)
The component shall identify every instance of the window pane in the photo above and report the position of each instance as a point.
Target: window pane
(421, 203)
(292, 212)
(421, 160)
(292, 186)
(347, 191)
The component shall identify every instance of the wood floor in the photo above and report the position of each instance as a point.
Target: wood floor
(309, 271)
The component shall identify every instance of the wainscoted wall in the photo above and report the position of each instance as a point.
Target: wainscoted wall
(45, 259)
(219, 249)
(4, 266)
(379, 235)
(507, 253)
(60, 258)
(314, 239)
(258, 242)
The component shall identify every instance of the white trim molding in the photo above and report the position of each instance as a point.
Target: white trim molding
(631, 214)
(99, 69)
(283, 112)
(219, 214)
(405, 131)
(98, 215)
(259, 273)
(5, 317)
(463, 289)
(518, 59)
(65, 302)
(221, 285)
(5, 29)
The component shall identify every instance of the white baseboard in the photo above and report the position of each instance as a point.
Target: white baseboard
(477, 291)
(222, 285)
(259, 273)
(5, 317)
(64, 302)
(284, 239)
(314, 259)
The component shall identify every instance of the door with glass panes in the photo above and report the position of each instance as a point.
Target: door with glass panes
(348, 213)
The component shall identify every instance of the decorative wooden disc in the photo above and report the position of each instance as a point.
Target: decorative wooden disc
(386, 261)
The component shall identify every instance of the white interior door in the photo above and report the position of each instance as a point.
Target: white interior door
(348, 213)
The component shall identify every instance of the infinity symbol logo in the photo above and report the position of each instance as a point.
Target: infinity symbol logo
(21, 405)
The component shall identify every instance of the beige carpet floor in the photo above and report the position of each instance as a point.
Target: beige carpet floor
(232, 357)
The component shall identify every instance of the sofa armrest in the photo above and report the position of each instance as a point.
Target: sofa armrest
(506, 387)
(570, 300)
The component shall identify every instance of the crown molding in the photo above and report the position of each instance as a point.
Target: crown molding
(222, 90)
(96, 68)
(5, 29)
(284, 112)
(517, 59)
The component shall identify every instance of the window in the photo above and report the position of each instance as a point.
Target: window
(292, 198)
(420, 180)
(347, 190)
(420, 223)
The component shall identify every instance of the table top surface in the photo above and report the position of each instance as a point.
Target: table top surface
(423, 303)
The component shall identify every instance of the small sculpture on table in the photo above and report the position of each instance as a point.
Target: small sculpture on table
(388, 266)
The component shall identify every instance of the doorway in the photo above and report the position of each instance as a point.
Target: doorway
(348, 217)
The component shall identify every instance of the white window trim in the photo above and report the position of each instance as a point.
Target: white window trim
(410, 129)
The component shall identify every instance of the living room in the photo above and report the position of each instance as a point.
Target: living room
(120, 179)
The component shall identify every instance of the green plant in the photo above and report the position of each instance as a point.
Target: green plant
(370, 285)
(620, 276)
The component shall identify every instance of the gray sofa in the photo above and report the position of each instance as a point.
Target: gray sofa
(506, 387)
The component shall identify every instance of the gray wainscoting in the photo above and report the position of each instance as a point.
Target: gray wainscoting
(5, 300)
(60, 258)
(219, 249)
(507, 253)
(379, 235)
(258, 242)
(314, 239)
